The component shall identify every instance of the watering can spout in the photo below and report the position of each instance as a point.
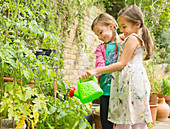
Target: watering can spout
(87, 91)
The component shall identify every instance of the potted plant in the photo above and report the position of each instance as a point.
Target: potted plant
(162, 89)
(153, 101)
(166, 85)
(165, 89)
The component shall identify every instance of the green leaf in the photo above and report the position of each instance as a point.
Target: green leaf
(82, 124)
(7, 25)
(76, 123)
(60, 83)
(24, 30)
(19, 26)
(17, 41)
(29, 93)
(61, 114)
(52, 109)
(11, 37)
(27, 74)
(20, 95)
(22, 108)
(50, 127)
(9, 87)
(10, 112)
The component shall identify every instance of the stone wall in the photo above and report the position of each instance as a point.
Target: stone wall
(78, 59)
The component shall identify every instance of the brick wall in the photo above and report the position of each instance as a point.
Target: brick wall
(78, 60)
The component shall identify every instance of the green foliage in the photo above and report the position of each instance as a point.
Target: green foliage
(165, 86)
(157, 18)
(154, 79)
(30, 23)
(113, 6)
(15, 95)
(27, 67)
(163, 48)
(70, 114)
(18, 62)
(26, 26)
(159, 84)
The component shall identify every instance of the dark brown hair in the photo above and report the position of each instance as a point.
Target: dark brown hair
(105, 19)
(134, 15)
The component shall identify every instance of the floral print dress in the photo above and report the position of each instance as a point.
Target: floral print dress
(129, 95)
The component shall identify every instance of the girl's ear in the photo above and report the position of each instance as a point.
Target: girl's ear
(111, 26)
(138, 24)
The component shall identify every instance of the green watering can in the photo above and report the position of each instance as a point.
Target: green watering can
(87, 91)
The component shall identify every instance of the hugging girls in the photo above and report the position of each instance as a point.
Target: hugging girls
(120, 71)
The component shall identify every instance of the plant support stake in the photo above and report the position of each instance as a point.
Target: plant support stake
(55, 89)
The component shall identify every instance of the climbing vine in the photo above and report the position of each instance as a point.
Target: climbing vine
(43, 23)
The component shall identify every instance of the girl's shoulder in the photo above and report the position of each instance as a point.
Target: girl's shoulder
(101, 46)
(134, 36)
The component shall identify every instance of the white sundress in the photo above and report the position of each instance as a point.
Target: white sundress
(129, 94)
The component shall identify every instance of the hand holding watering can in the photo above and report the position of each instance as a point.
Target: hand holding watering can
(87, 91)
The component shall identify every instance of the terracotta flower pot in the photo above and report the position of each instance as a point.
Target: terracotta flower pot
(167, 99)
(153, 109)
(7, 79)
(163, 110)
(161, 96)
(153, 100)
(97, 121)
(169, 113)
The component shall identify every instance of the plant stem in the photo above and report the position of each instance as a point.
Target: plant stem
(20, 72)
(40, 87)
(15, 82)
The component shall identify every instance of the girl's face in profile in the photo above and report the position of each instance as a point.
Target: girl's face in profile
(104, 33)
(127, 27)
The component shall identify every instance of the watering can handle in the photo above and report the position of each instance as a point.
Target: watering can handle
(95, 79)
(91, 78)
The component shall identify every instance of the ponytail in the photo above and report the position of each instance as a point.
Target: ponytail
(116, 46)
(148, 42)
(115, 35)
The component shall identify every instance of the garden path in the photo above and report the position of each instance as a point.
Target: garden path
(162, 125)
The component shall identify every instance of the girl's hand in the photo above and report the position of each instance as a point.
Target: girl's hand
(88, 74)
